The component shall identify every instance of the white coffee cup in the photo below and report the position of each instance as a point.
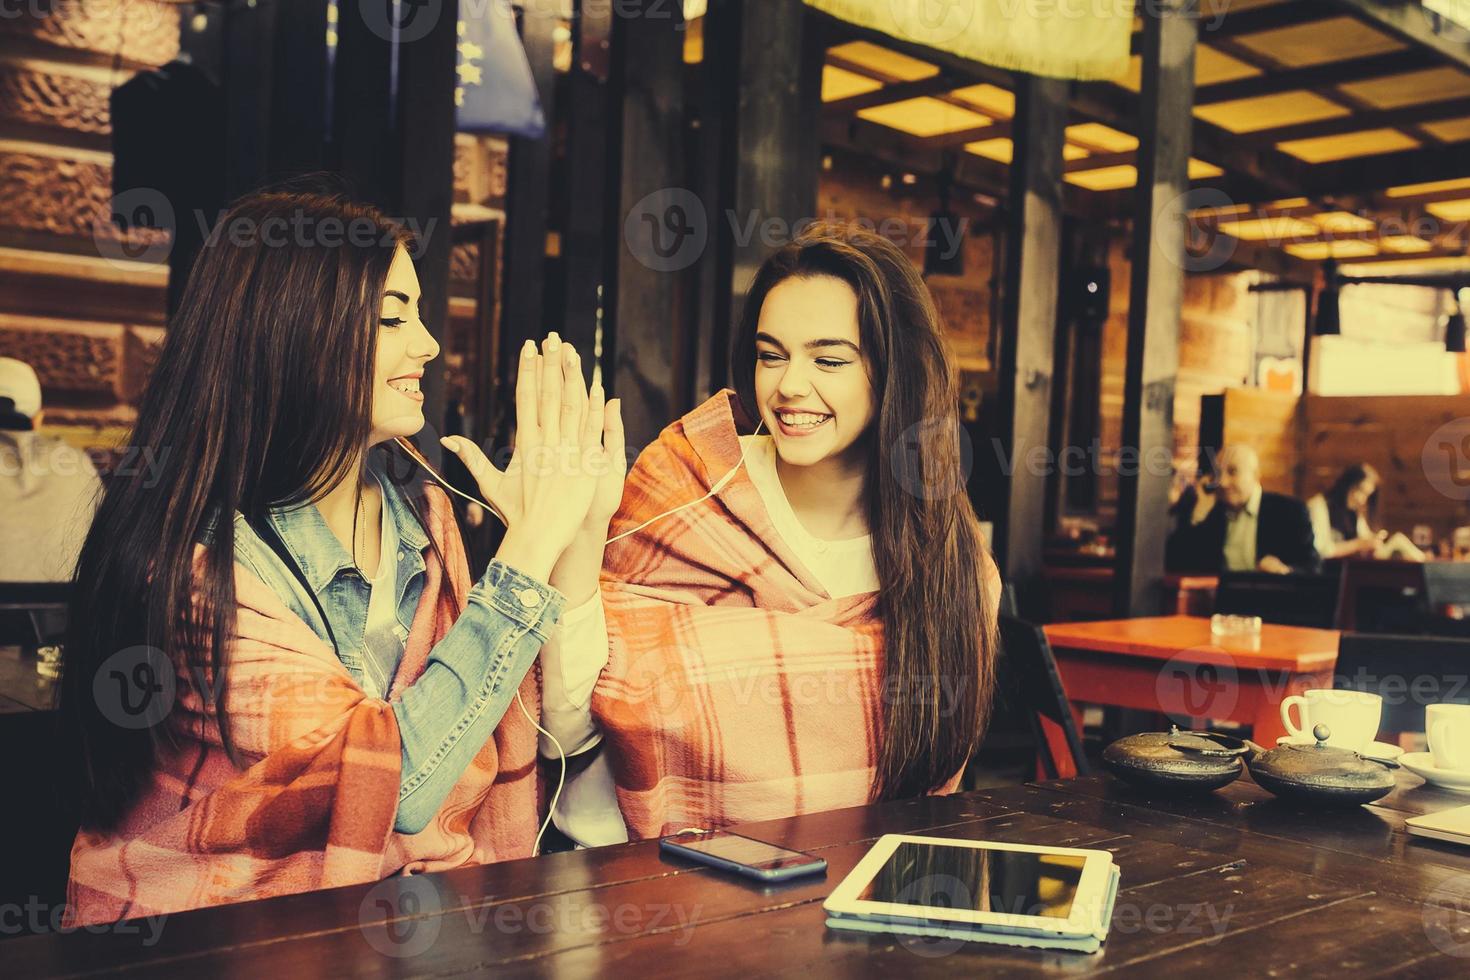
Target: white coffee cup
(1448, 729)
(1350, 716)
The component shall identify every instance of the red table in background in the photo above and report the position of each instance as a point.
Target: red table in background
(1172, 664)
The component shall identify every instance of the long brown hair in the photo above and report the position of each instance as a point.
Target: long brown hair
(939, 636)
(261, 397)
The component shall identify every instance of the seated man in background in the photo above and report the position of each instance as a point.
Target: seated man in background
(48, 491)
(1232, 524)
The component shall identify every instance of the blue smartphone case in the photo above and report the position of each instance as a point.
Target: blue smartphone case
(818, 865)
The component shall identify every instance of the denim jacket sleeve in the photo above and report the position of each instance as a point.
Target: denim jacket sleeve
(471, 678)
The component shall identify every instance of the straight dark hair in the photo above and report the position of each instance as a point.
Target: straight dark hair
(261, 398)
(939, 636)
(1343, 519)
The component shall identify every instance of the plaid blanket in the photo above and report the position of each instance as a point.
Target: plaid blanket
(314, 806)
(736, 688)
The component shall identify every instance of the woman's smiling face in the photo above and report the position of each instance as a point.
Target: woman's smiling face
(404, 347)
(811, 380)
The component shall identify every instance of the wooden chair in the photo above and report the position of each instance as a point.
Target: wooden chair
(1290, 600)
(1408, 672)
(1379, 596)
(1028, 673)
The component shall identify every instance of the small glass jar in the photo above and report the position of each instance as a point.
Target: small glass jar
(1227, 625)
(48, 662)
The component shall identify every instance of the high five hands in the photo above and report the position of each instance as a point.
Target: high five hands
(565, 477)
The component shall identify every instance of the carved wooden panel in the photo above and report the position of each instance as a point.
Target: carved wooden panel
(70, 197)
(54, 99)
(76, 358)
(137, 30)
(464, 262)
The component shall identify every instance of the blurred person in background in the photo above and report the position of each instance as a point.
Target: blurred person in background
(48, 493)
(1231, 523)
(48, 489)
(1342, 519)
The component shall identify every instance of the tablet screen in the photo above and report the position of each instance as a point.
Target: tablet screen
(979, 879)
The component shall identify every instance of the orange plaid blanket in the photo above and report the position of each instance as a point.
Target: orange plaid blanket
(315, 806)
(736, 688)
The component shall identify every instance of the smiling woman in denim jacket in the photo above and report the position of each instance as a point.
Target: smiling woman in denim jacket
(340, 705)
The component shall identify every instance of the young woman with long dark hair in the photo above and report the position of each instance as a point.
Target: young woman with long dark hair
(279, 674)
(1343, 518)
(813, 625)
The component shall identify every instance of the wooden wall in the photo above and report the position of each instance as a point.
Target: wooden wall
(91, 324)
(1305, 443)
(1391, 433)
(1215, 353)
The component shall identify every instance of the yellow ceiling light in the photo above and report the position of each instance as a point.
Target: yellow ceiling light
(1319, 42)
(1277, 229)
(990, 99)
(1270, 111)
(1448, 130)
(1450, 210)
(1126, 175)
(1411, 88)
(884, 62)
(1102, 139)
(1351, 248)
(839, 83)
(1000, 149)
(1210, 68)
(1321, 149)
(924, 117)
(1342, 222)
(1104, 178)
(1403, 243)
(1429, 187)
(1409, 266)
(1003, 150)
(1287, 203)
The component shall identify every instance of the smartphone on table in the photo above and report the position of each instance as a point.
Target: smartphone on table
(743, 855)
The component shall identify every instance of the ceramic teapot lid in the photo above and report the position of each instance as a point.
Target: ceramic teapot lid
(1322, 773)
(1176, 760)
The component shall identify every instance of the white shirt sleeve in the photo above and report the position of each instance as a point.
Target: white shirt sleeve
(571, 661)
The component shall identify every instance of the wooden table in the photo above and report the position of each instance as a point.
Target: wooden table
(1231, 884)
(1171, 664)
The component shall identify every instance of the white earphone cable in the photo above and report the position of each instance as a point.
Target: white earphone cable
(719, 485)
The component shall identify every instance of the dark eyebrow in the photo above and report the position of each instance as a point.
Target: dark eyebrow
(811, 344)
(401, 297)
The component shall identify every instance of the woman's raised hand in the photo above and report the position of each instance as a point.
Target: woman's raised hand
(568, 454)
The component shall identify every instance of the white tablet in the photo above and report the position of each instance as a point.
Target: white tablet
(982, 885)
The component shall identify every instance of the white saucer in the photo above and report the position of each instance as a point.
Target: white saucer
(1376, 750)
(1422, 764)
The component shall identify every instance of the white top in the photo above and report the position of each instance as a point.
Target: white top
(380, 636)
(573, 658)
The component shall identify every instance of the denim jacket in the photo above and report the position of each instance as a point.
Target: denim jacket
(473, 672)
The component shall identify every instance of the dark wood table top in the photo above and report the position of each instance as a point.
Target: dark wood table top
(1234, 883)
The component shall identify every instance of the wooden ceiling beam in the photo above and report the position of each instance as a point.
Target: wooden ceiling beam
(890, 92)
(1359, 121)
(996, 130)
(1374, 173)
(1312, 77)
(1407, 22)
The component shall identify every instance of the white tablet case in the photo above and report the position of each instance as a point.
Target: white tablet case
(1080, 944)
